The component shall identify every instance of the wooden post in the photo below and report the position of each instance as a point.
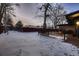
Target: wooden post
(64, 35)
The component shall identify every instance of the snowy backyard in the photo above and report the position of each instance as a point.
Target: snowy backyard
(34, 44)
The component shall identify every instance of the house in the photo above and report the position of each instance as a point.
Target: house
(73, 23)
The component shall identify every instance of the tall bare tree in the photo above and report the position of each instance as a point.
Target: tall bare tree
(6, 9)
(53, 11)
(57, 14)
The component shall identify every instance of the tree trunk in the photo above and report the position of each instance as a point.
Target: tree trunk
(44, 25)
(45, 15)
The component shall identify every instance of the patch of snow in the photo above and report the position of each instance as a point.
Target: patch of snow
(61, 38)
(58, 37)
(33, 44)
(58, 48)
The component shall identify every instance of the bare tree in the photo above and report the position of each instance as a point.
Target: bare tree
(9, 22)
(44, 8)
(53, 11)
(57, 14)
(6, 9)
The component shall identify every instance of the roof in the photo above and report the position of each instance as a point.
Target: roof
(73, 15)
(73, 12)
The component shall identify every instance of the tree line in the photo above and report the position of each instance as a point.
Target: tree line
(51, 11)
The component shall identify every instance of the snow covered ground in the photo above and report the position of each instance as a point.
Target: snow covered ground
(57, 37)
(34, 44)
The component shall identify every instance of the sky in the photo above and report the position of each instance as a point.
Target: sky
(71, 7)
(28, 12)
